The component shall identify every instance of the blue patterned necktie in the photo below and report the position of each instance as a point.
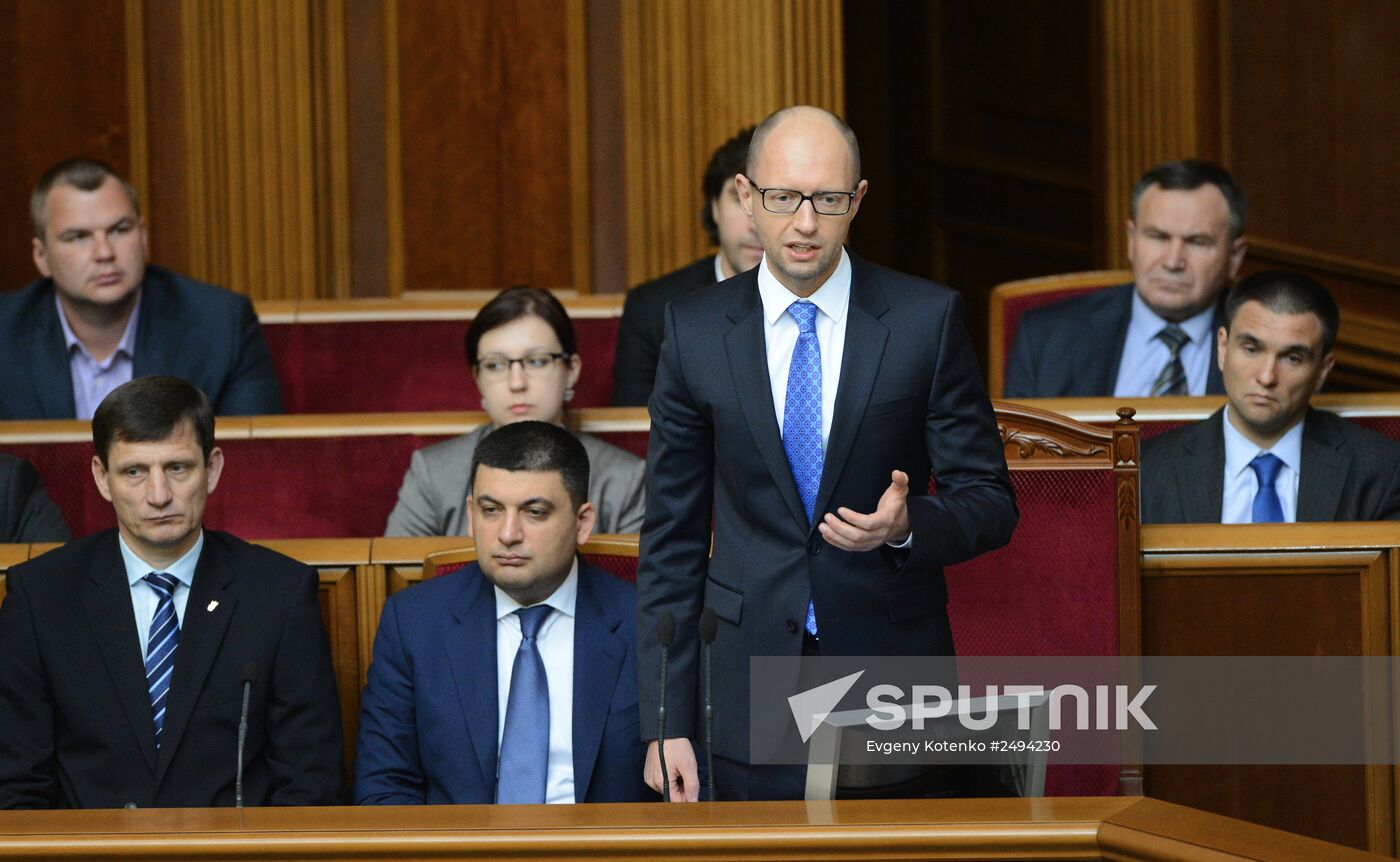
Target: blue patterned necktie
(802, 418)
(1268, 509)
(1172, 379)
(524, 760)
(160, 646)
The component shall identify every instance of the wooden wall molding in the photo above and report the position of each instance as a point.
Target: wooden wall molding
(1158, 98)
(694, 73)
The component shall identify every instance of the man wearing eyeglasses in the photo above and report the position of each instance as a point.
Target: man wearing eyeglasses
(795, 406)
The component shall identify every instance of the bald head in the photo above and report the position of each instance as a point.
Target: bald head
(804, 124)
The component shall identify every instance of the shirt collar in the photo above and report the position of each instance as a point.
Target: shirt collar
(1239, 451)
(1146, 323)
(126, 346)
(563, 600)
(181, 570)
(719, 270)
(831, 298)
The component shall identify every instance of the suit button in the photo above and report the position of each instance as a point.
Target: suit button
(814, 545)
(129, 805)
(792, 626)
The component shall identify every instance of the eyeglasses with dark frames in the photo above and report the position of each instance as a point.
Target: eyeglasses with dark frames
(789, 201)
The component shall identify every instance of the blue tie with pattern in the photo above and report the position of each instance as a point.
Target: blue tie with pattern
(1268, 509)
(802, 418)
(524, 760)
(1172, 379)
(160, 646)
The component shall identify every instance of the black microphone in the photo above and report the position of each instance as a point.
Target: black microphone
(250, 673)
(707, 637)
(665, 633)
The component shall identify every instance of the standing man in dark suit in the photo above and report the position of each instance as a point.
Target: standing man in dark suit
(514, 679)
(643, 313)
(795, 405)
(1266, 456)
(126, 653)
(1154, 336)
(26, 512)
(99, 316)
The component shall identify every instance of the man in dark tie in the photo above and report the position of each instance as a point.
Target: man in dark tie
(512, 680)
(1267, 456)
(1155, 336)
(795, 408)
(126, 657)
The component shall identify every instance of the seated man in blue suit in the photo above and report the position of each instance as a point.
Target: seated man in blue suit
(99, 316)
(514, 679)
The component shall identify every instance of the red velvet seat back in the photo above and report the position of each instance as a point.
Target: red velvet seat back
(393, 366)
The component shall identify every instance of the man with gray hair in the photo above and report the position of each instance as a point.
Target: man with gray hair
(1155, 336)
(99, 316)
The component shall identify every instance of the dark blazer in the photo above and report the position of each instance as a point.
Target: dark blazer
(1348, 473)
(910, 397)
(643, 322)
(188, 329)
(75, 715)
(428, 727)
(1072, 348)
(26, 512)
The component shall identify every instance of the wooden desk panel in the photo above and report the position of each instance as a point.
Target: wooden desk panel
(1041, 829)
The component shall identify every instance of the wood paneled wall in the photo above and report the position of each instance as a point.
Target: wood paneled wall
(695, 72)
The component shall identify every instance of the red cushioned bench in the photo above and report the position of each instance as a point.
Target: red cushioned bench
(368, 356)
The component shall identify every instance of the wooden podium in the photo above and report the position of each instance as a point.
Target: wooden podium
(990, 829)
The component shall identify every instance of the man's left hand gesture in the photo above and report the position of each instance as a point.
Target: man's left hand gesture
(889, 523)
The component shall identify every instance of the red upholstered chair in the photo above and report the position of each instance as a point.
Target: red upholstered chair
(1067, 583)
(1014, 298)
(614, 554)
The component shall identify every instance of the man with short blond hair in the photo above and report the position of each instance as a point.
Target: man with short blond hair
(99, 316)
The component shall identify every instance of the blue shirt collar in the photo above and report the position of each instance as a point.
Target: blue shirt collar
(126, 346)
(1146, 323)
(1239, 451)
(181, 570)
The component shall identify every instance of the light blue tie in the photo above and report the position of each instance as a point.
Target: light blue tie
(160, 646)
(802, 418)
(524, 760)
(1268, 509)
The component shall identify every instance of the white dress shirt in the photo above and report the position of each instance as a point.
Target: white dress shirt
(1241, 484)
(1144, 354)
(144, 598)
(555, 643)
(780, 333)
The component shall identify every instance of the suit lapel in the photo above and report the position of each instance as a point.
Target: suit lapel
(201, 633)
(860, 362)
(108, 608)
(1203, 494)
(748, 367)
(156, 331)
(471, 651)
(598, 655)
(1323, 471)
(47, 352)
(1100, 369)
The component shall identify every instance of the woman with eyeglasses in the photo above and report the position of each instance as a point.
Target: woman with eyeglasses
(524, 359)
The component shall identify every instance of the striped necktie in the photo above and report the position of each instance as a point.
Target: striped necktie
(160, 646)
(1172, 379)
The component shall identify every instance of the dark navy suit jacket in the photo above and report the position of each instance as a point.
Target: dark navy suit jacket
(643, 324)
(187, 329)
(910, 397)
(428, 726)
(1071, 348)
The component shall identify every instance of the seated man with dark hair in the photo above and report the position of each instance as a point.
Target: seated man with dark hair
(514, 679)
(643, 313)
(99, 316)
(129, 655)
(26, 512)
(1267, 456)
